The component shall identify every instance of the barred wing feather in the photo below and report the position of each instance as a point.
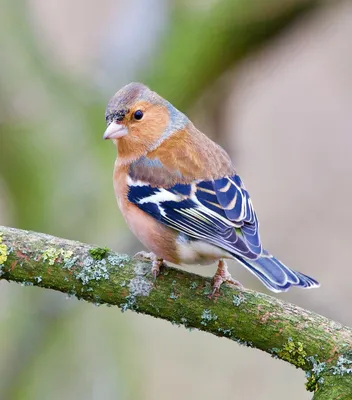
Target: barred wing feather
(219, 212)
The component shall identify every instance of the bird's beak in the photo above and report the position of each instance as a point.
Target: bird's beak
(115, 131)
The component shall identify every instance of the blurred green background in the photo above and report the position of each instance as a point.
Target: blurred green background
(270, 81)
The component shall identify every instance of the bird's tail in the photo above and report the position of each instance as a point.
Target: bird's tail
(275, 275)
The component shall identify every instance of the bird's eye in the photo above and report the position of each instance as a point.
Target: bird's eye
(138, 115)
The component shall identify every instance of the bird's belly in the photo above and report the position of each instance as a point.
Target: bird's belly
(199, 252)
(155, 236)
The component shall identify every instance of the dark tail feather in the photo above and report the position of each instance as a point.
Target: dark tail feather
(275, 275)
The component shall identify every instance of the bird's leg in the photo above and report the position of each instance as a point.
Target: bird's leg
(157, 262)
(223, 275)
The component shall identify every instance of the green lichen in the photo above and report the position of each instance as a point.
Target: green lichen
(243, 342)
(130, 303)
(343, 365)
(66, 255)
(93, 270)
(317, 367)
(238, 299)
(26, 283)
(69, 261)
(138, 286)
(53, 255)
(314, 378)
(274, 351)
(98, 253)
(118, 260)
(293, 352)
(226, 332)
(3, 251)
(312, 384)
(173, 294)
(208, 289)
(207, 317)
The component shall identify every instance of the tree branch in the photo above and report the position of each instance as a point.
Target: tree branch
(313, 343)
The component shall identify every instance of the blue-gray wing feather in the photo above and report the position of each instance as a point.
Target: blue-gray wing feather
(219, 212)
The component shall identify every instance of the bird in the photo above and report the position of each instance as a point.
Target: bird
(181, 195)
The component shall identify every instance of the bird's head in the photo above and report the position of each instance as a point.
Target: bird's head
(139, 120)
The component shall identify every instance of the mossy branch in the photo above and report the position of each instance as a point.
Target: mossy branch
(313, 343)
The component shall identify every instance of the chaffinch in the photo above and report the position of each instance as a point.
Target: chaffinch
(180, 194)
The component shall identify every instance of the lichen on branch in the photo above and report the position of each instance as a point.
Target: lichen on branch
(311, 342)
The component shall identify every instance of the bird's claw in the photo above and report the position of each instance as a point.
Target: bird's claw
(217, 284)
(156, 266)
(155, 270)
(157, 262)
(144, 255)
(221, 276)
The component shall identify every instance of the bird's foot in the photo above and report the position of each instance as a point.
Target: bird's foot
(157, 262)
(223, 275)
(144, 255)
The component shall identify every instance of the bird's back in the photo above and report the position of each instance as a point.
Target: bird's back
(184, 157)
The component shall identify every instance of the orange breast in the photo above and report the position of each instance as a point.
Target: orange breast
(155, 236)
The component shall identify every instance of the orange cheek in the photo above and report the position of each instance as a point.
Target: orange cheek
(131, 145)
(143, 134)
(148, 130)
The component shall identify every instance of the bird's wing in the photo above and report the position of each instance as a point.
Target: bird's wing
(216, 211)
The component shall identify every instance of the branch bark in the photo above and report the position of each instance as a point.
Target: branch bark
(311, 342)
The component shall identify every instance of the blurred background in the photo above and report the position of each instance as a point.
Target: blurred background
(270, 81)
